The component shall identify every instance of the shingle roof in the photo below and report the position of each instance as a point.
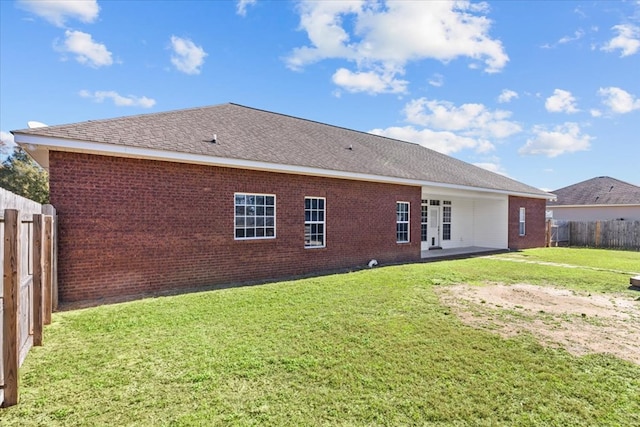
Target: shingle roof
(602, 190)
(256, 135)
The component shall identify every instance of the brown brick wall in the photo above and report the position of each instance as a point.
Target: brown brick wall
(534, 223)
(130, 226)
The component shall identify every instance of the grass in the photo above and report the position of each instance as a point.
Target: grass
(372, 347)
(627, 261)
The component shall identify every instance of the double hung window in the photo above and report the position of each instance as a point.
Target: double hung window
(424, 219)
(446, 220)
(314, 222)
(402, 222)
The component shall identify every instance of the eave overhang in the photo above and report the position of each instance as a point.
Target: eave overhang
(38, 147)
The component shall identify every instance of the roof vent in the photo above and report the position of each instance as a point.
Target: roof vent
(350, 147)
(215, 138)
(34, 125)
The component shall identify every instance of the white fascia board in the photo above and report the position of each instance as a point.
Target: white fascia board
(34, 143)
(439, 193)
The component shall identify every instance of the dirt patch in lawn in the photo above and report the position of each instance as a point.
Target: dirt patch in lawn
(581, 323)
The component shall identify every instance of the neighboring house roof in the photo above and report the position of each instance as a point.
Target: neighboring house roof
(602, 190)
(248, 135)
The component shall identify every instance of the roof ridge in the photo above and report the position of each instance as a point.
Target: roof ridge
(594, 179)
(331, 125)
(374, 135)
(623, 182)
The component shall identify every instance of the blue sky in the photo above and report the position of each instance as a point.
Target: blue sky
(545, 92)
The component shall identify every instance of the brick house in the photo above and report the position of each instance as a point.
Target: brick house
(229, 194)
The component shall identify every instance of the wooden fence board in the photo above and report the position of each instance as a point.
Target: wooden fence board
(2, 350)
(50, 210)
(615, 234)
(27, 248)
(48, 259)
(38, 278)
(2, 309)
(25, 317)
(11, 270)
(24, 252)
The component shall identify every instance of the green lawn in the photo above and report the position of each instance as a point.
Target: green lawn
(372, 347)
(627, 261)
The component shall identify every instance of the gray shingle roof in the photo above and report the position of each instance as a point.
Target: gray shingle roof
(602, 190)
(256, 135)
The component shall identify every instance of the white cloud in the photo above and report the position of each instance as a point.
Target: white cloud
(595, 113)
(7, 145)
(577, 35)
(444, 127)
(58, 12)
(382, 37)
(618, 100)
(241, 6)
(561, 102)
(86, 51)
(7, 139)
(565, 138)
(627, 40)
(187, 57)
(437, 80)
(470, 119)
(119, 100)
(444, 142)
(494, 167)
(507, 95)
(370, 82)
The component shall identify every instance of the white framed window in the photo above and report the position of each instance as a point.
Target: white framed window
(446, 220)
(522, 228)
(402, 222)
(314, 222)
(254, 216)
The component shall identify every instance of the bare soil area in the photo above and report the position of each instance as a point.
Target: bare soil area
(581, 323)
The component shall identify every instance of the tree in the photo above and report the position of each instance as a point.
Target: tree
(21, 175)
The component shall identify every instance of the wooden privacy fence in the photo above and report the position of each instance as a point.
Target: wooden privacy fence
(29, 291)
(616, 234)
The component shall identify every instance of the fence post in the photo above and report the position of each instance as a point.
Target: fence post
(37, 278)
(597, 234)
(46, 285)
(50, 210)
(11, 279)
